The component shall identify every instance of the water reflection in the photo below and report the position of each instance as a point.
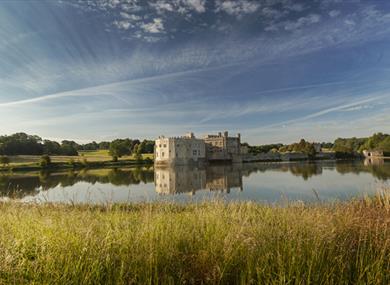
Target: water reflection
(187, 179)
(20, 185)
(258, 181)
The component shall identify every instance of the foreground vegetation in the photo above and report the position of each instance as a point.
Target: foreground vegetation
(215, 243)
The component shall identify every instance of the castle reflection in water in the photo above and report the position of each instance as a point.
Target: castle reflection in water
(185, 179)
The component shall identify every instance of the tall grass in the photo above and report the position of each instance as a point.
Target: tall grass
(210, 243)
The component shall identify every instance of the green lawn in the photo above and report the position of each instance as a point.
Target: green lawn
(209, 243)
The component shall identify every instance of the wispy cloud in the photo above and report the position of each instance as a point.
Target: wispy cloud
(156, 26)
(190, 63)
(343, 107)
(237, 8)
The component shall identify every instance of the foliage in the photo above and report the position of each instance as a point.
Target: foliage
(138, 153)
(72, 162)
(120, 147)
(327, 145)
(208, 243)
(20, 144)
(68, 148)
(378, 141)
(24, 144)
(85, 162)
(45, 161)
(350, 146)
(4, 160)
(302, 146)
(104, 145)
(262, 148)
(146, 146)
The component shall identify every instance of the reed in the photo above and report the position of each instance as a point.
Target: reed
(209, 243)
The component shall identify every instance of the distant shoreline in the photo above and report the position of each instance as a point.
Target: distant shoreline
(77, 165)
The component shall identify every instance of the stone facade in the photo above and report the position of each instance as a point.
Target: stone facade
(190, 150)
(223, 148)
(180, 150)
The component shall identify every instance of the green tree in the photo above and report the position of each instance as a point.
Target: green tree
(51, 147)
(310, 150)
(4, 160)
(138, 153)
(69, 148)
(45, 161)
(120, 147)
(104, 145)
(385, 146)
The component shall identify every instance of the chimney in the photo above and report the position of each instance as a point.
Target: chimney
(239, 136)
(220, 134)
(226, 134)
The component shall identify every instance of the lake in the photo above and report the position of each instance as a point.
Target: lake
(260, 182)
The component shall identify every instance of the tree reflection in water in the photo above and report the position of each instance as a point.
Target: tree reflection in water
(181, 179)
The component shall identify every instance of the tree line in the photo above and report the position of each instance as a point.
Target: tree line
(301, 146)
(24, 144)
(343, 147)
(378, 141)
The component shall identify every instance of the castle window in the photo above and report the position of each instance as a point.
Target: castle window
(194, 152)
(165, 145)
(162, 154)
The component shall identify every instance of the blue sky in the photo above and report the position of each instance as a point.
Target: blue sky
(274, 70)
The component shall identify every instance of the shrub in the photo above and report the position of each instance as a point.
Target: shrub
(85, 162)
(4, 160)
(45, 161)
(72, 163)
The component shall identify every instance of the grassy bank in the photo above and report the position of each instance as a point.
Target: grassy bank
(91, 159)
(212, 243)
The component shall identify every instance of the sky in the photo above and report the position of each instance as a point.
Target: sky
(272, 70)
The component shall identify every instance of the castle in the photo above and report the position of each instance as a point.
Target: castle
(191, 150)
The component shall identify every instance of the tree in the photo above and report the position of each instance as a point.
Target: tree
(134, 144)
(51, 147)
(21, 144)
(146, 146)
(385, 146)
(104, 145)
(120, 147)
(310, 150)
(45, 161)
(69, 148)
(138, 153)
(4, 160)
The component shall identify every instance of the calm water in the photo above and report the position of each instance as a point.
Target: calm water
(263, 182)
